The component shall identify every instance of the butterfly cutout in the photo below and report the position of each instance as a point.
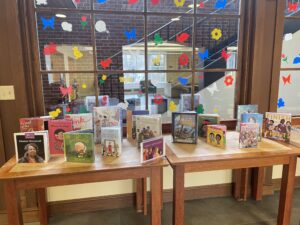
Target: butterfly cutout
(50, 49)
(154, 2)
(293, 7)
(228, 80)
(183, 80)
(183, 59)
(132, 2)
(280, 103)
(296, 60)
(225, 55)
(158, 39)
(48, 22)
(286, 79)
(65, 90)
(101, 1)
(130, 35)
(213, 88)
(179, 3)
(201, 5)
(106, 63)
(203, 55)
(220, 4)
(181, 38)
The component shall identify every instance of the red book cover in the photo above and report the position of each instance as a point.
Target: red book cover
(56, 130)
(31, 124)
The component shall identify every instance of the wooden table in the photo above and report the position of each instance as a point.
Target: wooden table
(57, 172)
(185, 158)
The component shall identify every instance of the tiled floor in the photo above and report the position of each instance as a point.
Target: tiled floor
(213, 211)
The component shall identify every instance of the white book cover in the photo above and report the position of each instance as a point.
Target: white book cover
(111, 141)
(81, 121)
(147, 127)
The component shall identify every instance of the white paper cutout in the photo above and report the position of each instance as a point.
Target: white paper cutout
(123, 105)
(66, 26)
(288, 37)
(213, 88)
(41, 2)
(100, 26)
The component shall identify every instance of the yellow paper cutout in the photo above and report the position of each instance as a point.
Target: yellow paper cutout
(54, 114)
(216, 110)
(77, 54)
(216, 34)
(179, 3)
(156, 61)
(84, 86)
(126, 80)
(104, 77)
(172, 106)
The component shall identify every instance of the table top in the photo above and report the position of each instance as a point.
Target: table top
(129, 159)
(178, 153)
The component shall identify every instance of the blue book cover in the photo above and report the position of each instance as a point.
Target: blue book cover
(244, 109)
(253, 118)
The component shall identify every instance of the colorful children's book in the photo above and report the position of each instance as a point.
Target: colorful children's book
(244, 109)
(185, 102)
(82, 121)
(56, 130)
(109, 116)
(249, 135)
(131, 122)
(277, 126)
(111, 141)
(152, 149)
(184, 127)
(204, 120)
(295, 136)
(147, 127)
(216, 135)
(31, 124)
(79, 146)
(253, 118)
(32, 147)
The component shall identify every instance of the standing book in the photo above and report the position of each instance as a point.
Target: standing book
(204, 120)
(277, 126)
(111, 141)
(216, 135)
(244, 109)
(32, 147)
(249, 135)
(184, 127)
(31, 124)
(131, 122)
(185, 102)
(152, 149)
(56, 130)
(82, 121)
(253, 118)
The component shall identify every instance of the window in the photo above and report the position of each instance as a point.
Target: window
(150, 53)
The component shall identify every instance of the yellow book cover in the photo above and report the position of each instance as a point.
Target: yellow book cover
(216, 135)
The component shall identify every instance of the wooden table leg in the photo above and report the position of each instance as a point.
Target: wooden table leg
(139, 195)
(145, 203)
(13, 206)
(43, 207)
(162, 187)
(286, 192)
(178, 195)
(258, 183)
(155, 196)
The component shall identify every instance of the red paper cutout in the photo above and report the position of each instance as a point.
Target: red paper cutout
(65, 90)
(132, 2)
(224, 55)
(77, 1)
(68, 109)
(158, 99)
(83, 18)
(104, 101)
(286, 79)
(154, 2)
(201, 77)
(50, 49)
(201, 5)
(183, 59)
(228, 80)
(282, 55)
(106, 63)
(182, 37)
(293, 7)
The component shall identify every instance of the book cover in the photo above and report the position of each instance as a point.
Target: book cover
(253, 118)
(31, 124)
(147, 127)
(90, 101)
(79, 146)
(185, 102)
(111, 141)
(204, 120)
(152, 149)
(109, 116)
(131, 122)
(184, 127)
(56, 130)
(249, 135)
(81, 121)
(277, 126)
(244, 109)
(295, 136)
(32, 147)
(216, 135)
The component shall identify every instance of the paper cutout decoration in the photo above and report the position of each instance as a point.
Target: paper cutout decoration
(172, 106)
(130, 35)
(203, 55)
(158, 99)
(48, 22)
(228, 80)
(156, 61)
(201, 77)
(220, 4)
(125, 79)
(82, 109)
(284, 58)
(106, 63)
(181, 38)
(154, 2)
(132, 2)
(77, 1)
(158, 39)
(123, 105)
(183, 80)
(68, 109)
(104, 77)
(140, 93)
(84, 86)
(213, 88)
(293, 7)
(104, 101)
(280, 103)
(296, 60)
(83, 21)
(122, 79)
(66, 26)
(100, 26)
(200, 109)
(77, 54)
(225, 55)
(286, 79)
(179, 3)
(216, 34)
(41, 2)
(101, 1)
(55, 114)
(183, 59)
(288, 37)
(50, 49)
(101, 82)
(202, 5)
(216, 110)
(65, 90)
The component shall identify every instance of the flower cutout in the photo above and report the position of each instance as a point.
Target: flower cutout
(216, 34)
(228, 80)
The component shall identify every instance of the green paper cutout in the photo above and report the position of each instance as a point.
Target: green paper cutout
(200, 109)
(157, 39)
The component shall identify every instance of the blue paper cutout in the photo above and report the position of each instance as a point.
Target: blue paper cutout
(280, 103)
(203, 55)
(183, 80)
(296, 60)
(48, 22)
(130, 35)
(220, 4)
(101, 1)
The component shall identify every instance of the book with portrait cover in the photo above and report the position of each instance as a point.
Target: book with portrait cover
(204, 120)
(111, 141)
(79, 146)
(249, 135)
(109, 116)
(277, 126)
(32, 147)
(184, 127)
(152, 149)
(131, 122)
(185, 102)
(254, 118)
(216, 135)
(56, 130)
(244, 109)
(31, 124)
(81, 121)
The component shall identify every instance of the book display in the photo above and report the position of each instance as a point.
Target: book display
(249, 135)
(253, 118)
(31, 124)
(204, 120)
(131, 122)
(82, 121)
(111, 141)
(152, 149)
(244, 109)
(216, 135)
(185, 102)
(148, 127)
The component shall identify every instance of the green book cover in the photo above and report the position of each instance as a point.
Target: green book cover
(204, 120)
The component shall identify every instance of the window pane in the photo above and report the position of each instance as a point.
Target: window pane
(119, 5)
(218, 6)
(65, 43)
(63, 4)
(174, 6)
